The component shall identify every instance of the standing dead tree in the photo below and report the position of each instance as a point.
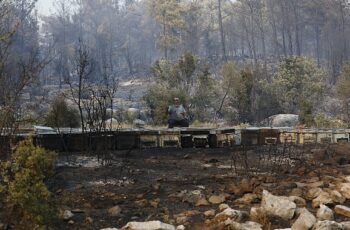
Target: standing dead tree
(77, 80)
(20, 60)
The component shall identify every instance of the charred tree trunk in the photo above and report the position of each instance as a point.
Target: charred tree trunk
(222, 35)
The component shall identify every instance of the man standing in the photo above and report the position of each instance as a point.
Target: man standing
(177, 115)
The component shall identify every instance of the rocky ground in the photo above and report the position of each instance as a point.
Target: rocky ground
(199, 189)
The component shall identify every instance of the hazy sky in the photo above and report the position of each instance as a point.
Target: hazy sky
(45, 7)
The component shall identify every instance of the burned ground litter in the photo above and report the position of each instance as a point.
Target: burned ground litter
(193, 187)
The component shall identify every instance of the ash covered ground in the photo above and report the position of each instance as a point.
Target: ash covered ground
(191, 187)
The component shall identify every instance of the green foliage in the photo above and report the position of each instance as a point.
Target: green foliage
(239, 85)
(306, 116)
(343, 90)
(203, 100)
(322, 121)
(185, 79)
(158, 99)
(168, 13)
(297, 80)
(26, 197)
(179, 75)
(61, 115)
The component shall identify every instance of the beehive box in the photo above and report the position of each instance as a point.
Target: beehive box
(219, 138)
(324, 136)
(268, 136)
(102, 141)
(288, 136)
(199, 136)
(200, 141)
(186, 141)
(54, 142)
(250, 136)
(149, 139)
(125, 140)
(169, 139)
(341, 136)
(77, 142)
(307, 136)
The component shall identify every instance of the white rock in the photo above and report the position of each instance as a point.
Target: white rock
(180, 227)
(109, 229)
(254, 213)
(192, 196)
(235, 215)
(345, 190)
(327, 225)
(313, 193)
(277, 206)
(67, 215)
(214, 199)
(347, 179)
(323, 198)
(305, 220)
(325, 213)
(247, 198)
(300, 185)
(223, 207)
(249, 225)
(346, 225)
(283, 120)
(228, 221)
(337, 197)
(342, 210)
(300, 202)
(149, 225)
(316, 184)
(209, 213)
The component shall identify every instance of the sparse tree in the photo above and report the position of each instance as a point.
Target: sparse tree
(238, 84)
(20, 59)
(78, 79)
(61, 115)
(168, 13)
(28, 202)
(343, 91)
(298, 81)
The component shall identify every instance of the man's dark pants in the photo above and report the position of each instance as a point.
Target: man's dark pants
(181, 123)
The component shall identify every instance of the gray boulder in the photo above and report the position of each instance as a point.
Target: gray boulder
(280, 206)
(327, 225)
(149, 225)
(283, 120)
